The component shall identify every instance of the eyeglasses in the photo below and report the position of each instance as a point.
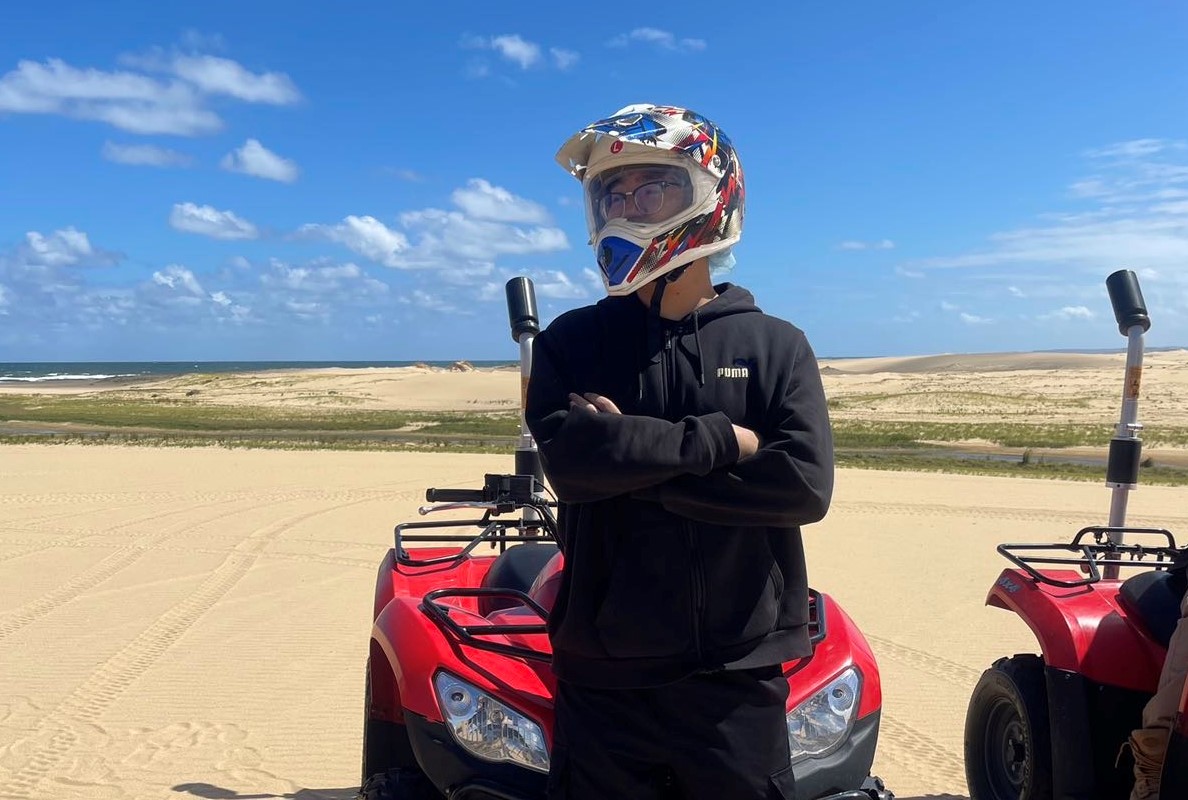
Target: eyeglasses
(648, 199)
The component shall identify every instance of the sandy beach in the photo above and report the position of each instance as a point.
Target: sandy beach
(193, 622)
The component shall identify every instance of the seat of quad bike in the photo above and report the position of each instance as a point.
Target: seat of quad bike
(515, 568)
(1154, 599)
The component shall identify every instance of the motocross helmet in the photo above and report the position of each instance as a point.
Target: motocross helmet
(663, 187)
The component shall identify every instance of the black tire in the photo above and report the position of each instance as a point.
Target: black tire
(385, 744)
(1008, 745)
(399, 784)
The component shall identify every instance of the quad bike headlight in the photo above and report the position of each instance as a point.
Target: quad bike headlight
(820, 724)
(487, 728)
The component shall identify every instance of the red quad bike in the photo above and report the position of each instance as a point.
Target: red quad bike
(1103, 609)
(459, 687)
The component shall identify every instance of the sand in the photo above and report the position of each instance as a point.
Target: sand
(194, 622)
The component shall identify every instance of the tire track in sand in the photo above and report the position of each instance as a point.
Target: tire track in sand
(11, 622)
(934, 665)
(62, 728)
(911, 749)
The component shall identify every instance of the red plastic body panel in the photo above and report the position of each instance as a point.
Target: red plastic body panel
(1083, 629)
(416, 647)
(843, 645)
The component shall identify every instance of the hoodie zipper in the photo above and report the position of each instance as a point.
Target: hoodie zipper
(697, 578)
(667, 370)
(697, 569)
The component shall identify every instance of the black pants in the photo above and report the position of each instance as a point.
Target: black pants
(712, 736)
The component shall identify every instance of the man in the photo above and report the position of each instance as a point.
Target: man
(686, 435)
(1149, 743)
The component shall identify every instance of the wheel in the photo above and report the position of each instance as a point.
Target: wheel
(1008, 750)
(399, 784)
(385, 743)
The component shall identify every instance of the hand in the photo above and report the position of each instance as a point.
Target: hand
(748, 442)
(593, 403)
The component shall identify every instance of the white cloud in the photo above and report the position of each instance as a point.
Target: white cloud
(882, 244)
(660, 38)
(127, 100)
(556, 285)
(178, 277)
(209, 221)
(364, 235)
(515, 48)
(947, 306)
(973, 319)
(61, 248)
(564, 59)
(144, 155)
(137, 102)
(1139, 218)
(404, 174)
(1135, 148)
(492, 222)
(257, 160)
(323, 278)
(214, 75)
(1070, 313)
(481, 200)
(452, 234)
(904, 272)
(1015, 291)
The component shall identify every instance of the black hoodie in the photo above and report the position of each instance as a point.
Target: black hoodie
(679, 557)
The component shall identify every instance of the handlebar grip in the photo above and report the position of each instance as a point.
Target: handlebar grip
(454, 496)
(521, 307)
(1127, 300)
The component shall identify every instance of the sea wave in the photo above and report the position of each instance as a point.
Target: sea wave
(62, 377)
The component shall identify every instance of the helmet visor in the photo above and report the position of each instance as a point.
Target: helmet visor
(645, 194)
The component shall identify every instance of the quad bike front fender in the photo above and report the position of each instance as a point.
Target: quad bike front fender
(1082, 630)
(415, 648)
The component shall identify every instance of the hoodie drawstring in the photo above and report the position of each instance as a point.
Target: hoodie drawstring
(697, 343)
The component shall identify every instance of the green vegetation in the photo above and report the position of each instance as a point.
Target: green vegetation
(145, 420)
(116, 412)
(883, 433)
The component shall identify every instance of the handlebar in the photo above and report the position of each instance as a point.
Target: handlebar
(511, 491)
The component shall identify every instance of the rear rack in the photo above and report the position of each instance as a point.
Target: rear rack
(495, 533)
(1091, 556)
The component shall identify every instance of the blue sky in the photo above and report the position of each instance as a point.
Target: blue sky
(265, 180)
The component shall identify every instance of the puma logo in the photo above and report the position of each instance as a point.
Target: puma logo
(734, 372)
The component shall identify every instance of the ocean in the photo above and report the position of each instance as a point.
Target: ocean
(45, 371)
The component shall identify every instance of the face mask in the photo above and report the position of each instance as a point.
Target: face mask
(721, 262)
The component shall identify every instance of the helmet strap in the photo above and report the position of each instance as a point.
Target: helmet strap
(655, 326)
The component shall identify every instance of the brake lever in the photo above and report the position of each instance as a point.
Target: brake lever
(426, 510)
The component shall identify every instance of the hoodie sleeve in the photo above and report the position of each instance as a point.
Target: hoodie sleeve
(589, 457)
(788, 482)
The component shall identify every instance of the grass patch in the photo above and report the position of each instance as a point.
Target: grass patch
(881, 433)
(186, 415)
(183, 422)
(1150, 476)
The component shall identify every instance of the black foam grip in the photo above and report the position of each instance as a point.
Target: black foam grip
(1127, 299)
(521, 307)
(454, 495)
